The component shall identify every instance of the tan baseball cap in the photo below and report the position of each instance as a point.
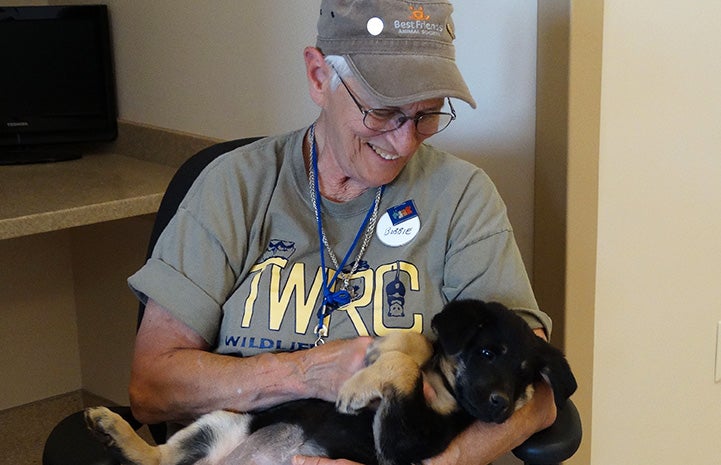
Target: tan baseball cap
(400, 51)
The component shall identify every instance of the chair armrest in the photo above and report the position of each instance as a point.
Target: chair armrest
(555, 443)
(72, 443)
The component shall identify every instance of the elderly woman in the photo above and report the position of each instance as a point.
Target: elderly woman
(289, 254)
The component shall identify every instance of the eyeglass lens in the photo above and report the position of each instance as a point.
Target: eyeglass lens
(380, 119)
(386, 119)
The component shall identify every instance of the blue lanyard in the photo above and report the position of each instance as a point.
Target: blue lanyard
(332, 300)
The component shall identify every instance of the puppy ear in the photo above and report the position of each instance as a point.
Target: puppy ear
(555, 369)
(457, 323)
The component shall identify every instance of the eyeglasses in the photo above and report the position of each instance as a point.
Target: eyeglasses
(389, 119)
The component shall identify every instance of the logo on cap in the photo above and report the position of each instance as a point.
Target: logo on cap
(418, 14)
(418, 23)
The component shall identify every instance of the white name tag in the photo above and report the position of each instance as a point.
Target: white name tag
(399, 225)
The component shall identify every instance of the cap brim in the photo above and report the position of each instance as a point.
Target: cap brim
(397, 80)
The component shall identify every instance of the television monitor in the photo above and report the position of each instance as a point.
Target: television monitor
(57, 86)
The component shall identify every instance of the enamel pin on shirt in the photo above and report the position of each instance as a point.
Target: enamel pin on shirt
(399, 225)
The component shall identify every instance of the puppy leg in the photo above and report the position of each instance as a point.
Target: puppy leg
(210, 438)
(120, 437)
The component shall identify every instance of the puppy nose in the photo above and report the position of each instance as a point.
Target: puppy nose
(499, 399)
(499, 402)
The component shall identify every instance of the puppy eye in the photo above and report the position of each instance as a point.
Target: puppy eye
(488, 354)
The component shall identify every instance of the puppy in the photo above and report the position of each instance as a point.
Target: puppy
(482, 366)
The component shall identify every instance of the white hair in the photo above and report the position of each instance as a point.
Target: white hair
(342, 70)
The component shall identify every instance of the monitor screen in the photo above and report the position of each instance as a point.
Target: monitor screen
(57, 84)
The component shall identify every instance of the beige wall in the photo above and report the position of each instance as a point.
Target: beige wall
(104, 255)
(658, 298)
(233, 68)
(644, 251)
(26, 2)
(551, 167)
(584, 97)
(643, 195)
(67, 318)
(38, 329)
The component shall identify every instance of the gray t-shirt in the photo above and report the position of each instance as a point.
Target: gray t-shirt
(240, 264)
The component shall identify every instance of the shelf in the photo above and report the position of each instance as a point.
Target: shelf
(47, 197)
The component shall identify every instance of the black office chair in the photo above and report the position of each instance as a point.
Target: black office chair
(71, 443)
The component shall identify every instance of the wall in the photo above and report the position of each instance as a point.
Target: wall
(67, 319)
(26, 2)
(658, 298)
(644, 255)
(38, 329)
(233, 68)
(551, 167)
(581, 198)
(106, 309)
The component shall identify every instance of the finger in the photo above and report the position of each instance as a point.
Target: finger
(428, 392)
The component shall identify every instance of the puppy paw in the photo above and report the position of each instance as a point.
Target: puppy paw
(103, 423)
(393, 370)
(120, 438)
(360, 391)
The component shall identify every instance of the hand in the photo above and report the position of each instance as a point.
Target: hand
(429, 392)
(304, 460)
(543, 405)
(486, 442)
(327, 367)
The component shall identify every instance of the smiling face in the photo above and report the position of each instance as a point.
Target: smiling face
(353, 158)
(363, 156)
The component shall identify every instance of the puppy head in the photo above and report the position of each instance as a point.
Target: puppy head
(497, 358)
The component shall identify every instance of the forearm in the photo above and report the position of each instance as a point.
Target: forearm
(174, 377)
(186, 383)
(481, 443)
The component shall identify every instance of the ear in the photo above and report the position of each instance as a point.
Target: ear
(457, 323)
(318, 74)
(555, 369)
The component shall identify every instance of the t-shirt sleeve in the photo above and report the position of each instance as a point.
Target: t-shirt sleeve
(189, 272)
(483, 260)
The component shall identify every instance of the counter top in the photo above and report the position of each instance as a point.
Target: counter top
(100, 187)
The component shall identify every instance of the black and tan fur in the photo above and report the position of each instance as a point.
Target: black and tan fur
(482, 365)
